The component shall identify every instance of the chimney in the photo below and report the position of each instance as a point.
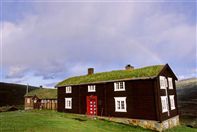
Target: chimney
(129, 67)
(90, 71)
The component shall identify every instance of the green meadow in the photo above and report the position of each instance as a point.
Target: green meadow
(51, 121)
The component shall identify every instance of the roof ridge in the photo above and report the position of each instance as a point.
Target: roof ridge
(148, 71)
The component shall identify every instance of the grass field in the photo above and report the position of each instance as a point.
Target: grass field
(51, 121)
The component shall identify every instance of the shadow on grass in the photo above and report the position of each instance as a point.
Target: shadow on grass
(79, 119)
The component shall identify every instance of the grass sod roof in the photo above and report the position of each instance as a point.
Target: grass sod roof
(43, 93)
(145, 72)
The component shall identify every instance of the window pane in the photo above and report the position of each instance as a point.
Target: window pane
(163, 82)
(170, 83)
(172, 104)
(122, 104)
(118, 104)
(117, 85)
(121, 86)
(164, 103)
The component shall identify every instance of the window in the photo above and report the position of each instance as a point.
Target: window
(68, 103)
(120, 104)
(119, 86)
(35, 100)
(91, 88)
(163, 82)
(164, 104)
(28, 100)
(68, 89)
(172, 102)
(170, 83)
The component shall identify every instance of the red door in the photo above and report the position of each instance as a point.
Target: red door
(91, 105)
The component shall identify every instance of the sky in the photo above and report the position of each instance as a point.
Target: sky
(44, 42)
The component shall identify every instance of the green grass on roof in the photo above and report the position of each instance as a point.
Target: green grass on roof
(43, 93)
(149, 71)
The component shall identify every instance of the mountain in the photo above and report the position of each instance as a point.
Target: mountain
(187, 83)
(187, 96)
(13, 94)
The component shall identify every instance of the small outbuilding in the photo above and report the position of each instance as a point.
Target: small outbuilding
(41, 98)
(144, 96)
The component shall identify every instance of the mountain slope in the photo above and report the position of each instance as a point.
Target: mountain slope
(187, 96)
(12, 94)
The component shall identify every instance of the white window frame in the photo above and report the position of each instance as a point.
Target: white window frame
(172, 103)
(68, 103)
(164, 104)
(118, 104)
(163, 82)
(28, 101)
(119, 86)
(68, 89)
(170, 83)
(91, 88)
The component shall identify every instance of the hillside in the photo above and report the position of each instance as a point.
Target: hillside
(186, 83)
(187, 89)
(13, 94)
(187, 99)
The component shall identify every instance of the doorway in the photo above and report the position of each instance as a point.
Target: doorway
(91, 105)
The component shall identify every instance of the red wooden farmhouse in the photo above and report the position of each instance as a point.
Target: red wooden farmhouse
(144, 96)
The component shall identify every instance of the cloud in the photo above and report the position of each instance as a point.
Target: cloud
(16, 72)
(64, 39)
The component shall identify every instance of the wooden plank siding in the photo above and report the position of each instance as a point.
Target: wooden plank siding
(157, 99)
(140, 99)
(60, 99)
(49, 104)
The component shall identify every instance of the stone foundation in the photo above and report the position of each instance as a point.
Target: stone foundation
(148, 124)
